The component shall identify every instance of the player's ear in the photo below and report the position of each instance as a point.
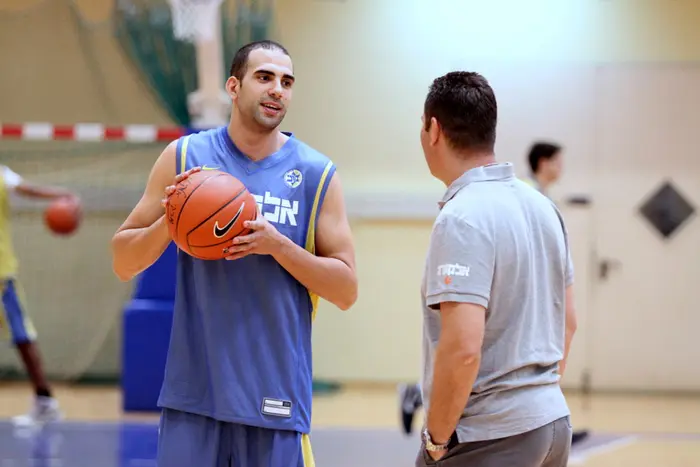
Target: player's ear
(232, 87)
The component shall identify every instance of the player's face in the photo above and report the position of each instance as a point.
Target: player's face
(266, 90)
(553, 167)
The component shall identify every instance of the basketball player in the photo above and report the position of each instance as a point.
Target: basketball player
(545, 164)
(14, 322)
(497, 297)
(237, 387)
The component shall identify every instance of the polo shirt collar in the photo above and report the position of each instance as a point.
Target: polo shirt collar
(485, 173)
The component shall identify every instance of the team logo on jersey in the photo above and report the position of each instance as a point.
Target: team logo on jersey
(293, 178)
(277, 210)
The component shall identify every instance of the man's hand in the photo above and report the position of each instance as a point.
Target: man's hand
(437, 455)
(265, 240)
(170, 189)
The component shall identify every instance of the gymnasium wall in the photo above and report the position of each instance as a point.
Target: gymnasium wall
(363, 69)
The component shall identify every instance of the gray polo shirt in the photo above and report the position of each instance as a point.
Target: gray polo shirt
(499, 243)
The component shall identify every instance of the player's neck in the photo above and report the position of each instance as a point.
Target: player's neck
(255, 145)
(543, 181)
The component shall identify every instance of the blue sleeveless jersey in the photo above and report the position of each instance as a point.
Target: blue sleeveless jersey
(240, 345)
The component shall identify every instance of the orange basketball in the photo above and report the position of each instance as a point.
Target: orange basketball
(63, 216)
(207, 212)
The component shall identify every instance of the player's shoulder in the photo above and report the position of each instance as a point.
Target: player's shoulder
(309, 154)
(202, 136)
(7, 171)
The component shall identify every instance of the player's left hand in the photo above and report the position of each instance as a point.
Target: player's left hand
(264, 240)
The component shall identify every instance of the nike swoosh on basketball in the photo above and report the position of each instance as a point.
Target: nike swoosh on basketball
(206, 167)
(221, 231)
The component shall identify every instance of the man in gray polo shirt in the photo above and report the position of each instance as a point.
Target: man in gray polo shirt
(497, 297)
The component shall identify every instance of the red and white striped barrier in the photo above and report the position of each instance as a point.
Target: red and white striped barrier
(90, 132)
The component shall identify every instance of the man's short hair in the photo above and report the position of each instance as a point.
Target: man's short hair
(465, 106)
(539, 151)
(239, 65)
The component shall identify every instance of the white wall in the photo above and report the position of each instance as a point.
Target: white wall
(363, 69)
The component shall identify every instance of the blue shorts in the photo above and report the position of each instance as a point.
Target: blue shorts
(189, 440)
(14, 322)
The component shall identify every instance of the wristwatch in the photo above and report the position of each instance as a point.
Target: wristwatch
(432, 447)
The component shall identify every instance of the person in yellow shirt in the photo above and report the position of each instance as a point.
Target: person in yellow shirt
(14, 322)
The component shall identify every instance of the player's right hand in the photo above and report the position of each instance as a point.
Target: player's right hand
(169, 190)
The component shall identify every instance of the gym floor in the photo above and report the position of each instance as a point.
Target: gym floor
(355, 426)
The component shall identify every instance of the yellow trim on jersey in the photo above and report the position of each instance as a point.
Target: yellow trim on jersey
(306, 452)
(183, 161)
(311, 232)
(8, 259)
(183, 154)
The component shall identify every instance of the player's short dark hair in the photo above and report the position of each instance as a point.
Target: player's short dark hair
(539, 151)
(465, 106)
(239, 65)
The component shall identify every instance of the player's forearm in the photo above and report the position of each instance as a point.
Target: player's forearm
(43, 192)
(329, 278)
(453, 377)
(134, 250)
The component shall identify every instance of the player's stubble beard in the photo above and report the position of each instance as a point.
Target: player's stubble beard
(264, 123)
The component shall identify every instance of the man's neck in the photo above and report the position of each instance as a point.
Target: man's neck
(253, 144)
(542, 181)
(463, 165)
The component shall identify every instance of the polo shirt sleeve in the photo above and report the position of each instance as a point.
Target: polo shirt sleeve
(569, 268)
(460, 264)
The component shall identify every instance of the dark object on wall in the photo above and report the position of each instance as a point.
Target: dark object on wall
(578, 200)
(666, 210)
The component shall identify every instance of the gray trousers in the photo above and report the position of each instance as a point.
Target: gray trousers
(547, 446)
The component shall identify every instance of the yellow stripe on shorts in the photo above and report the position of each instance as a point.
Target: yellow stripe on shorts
(306, 452)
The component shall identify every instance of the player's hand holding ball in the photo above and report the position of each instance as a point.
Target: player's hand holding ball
(264, 240)
(205, 210)
(169, 190)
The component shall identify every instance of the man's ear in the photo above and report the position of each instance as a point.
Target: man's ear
(233, 86)
(434, 131)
